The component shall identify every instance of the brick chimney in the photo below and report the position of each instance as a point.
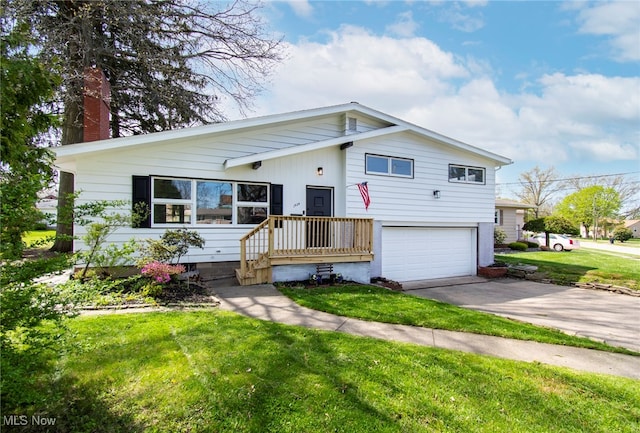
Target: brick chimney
(97, 94)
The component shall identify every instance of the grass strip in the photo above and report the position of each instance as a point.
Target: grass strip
(584, 266)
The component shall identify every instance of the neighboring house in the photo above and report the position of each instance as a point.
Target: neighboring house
(634, 226)
(272, 181)
(509, 216)
(48, 205)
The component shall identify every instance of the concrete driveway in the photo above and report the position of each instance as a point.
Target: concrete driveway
(600, 315)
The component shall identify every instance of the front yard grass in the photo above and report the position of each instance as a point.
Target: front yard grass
(383, 305)
(214, 371)
(581, 266)
(39, 238)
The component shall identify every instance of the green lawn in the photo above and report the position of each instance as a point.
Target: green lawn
(582, 265)
(382, 305)
(39, 238)
(214, 371)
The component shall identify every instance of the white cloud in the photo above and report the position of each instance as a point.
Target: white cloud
(619, 21)
(456, 15)
(404, 26)
(568, 118)
(605, 151)
(302, 8)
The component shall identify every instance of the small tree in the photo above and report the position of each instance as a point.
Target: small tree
(171, 246)
(590, 205)
(102, 219)
(622, 234)
(551, 224)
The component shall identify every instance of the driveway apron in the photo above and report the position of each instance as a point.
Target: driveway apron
(600, 315)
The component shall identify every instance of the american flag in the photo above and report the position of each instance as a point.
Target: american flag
(364, 192)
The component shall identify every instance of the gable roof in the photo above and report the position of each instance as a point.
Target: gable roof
(395, 125)
(513, 204)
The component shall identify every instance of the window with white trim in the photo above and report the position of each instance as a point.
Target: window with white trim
(465, 174)
(388, 165)
(193, 202)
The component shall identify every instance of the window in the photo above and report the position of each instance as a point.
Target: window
(215, 202)
(251, 203)
(388, 166)
(171, 201)
(463, 174)
(498, 217)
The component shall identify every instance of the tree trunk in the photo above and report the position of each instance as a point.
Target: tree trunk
(64, 227)
(72, 132)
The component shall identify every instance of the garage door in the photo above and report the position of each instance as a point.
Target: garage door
(417, 253)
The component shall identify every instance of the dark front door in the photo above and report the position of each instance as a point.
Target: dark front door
(319, 203)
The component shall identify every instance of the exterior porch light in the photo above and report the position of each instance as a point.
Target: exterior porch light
(320, 171)
(436, 193)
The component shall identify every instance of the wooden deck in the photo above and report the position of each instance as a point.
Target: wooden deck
(285, 240)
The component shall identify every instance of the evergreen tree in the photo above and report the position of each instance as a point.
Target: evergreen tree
(27, 87)
(169, 62)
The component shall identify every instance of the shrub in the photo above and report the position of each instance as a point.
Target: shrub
(171, 246)
(498, 236)
(518, 246)
(101, 219)
(529, 243)
(31, 320)
(622, 234)
(161, 272)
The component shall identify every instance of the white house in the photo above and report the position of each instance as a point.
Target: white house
(431, 211)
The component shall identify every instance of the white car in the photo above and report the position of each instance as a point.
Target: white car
(558, 242)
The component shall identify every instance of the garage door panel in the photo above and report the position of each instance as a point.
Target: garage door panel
(411, 253)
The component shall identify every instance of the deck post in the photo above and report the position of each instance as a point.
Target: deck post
(243, 256)
(271, 234)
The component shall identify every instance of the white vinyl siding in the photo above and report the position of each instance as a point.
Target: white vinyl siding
(412, 200)
(107, 176)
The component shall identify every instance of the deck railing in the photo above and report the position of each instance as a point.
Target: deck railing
(299, 236)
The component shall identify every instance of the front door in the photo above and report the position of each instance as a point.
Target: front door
(319, 203)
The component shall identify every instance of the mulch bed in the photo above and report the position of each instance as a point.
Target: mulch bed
(194, 293)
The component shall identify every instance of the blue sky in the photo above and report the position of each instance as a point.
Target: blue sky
(543, 83)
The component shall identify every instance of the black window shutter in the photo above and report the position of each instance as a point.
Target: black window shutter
(142, 194)
(276, 207)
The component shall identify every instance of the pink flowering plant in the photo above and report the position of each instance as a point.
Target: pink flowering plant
(161, 272)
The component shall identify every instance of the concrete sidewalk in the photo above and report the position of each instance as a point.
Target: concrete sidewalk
(267, 303)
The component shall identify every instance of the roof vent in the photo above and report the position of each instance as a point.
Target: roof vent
(352, 124)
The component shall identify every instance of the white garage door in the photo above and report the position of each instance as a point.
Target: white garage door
(418, 253)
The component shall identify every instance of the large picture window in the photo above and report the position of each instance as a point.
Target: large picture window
(207, 202)
(214, 202)
(464, 174)
(388, 165)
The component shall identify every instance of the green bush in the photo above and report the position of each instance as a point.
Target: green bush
(171, 246)
(31, 322)
(498, 236)
(518, 246)
(622, 234)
